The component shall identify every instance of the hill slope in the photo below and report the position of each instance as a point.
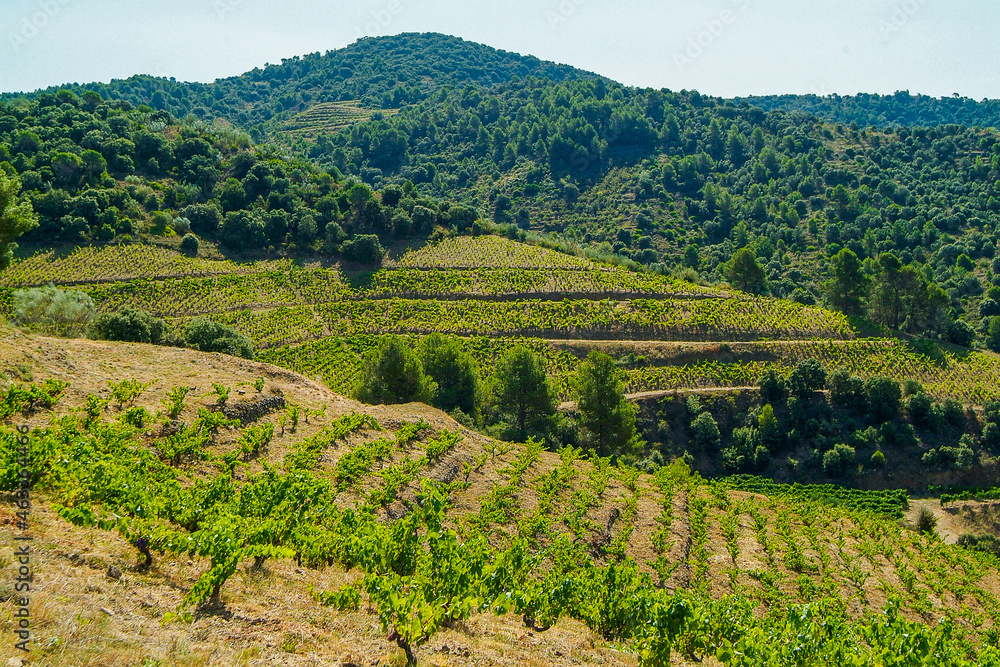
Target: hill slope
(887, 110)
(384, 72)
(493, 294)
(750, 552)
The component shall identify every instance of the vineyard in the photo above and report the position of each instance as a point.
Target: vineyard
(494, 293)
(413, 525)
(972, 378)
(91, 264)
(326, 117)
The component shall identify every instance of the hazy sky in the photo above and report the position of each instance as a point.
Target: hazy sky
(720, 47)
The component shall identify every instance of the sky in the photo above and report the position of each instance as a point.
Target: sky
(719, 47)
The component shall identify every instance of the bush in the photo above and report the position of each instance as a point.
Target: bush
(878, 459)
(845, 389)
(242, 230)
(926, 521)
(333, 235)
(363, 249)
(209, 336)
(130, 325)
(181, 226)
(882, 395)
(958, 458)
(746, 454)
(986, 543)
(837, 460)
(393, 374)
(204, 218)
(52, 310)
(961, 333)
(772, 386)
(190, 244)
(919, 406)
(953, 411)
(808, 376)
(705, 432)
(991, 436)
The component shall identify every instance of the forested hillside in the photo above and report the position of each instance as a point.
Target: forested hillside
(884, 111)
(381, 73)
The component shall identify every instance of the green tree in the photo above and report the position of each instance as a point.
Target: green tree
(745, 273)
(705, 432)
(692, 257)
(607, 418)
(454, 372)
(363, 249)
(807, 376)
(393, 374)
(16, 218)
(849, 285)
(883, 395)
(521, 388)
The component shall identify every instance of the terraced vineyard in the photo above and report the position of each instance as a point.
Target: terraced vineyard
(495, 293)
(328, 118)
(972, 377)
(91, 264)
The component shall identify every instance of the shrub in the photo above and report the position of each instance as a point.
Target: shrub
(926, 521)
(746, 454)
(986, 543)
(181, 226)
(333, 235)
(209, 336)
(845, 389)
(991, 436)
(243, 230)
(836, 460)
(705, 432)
(882, 395)
(919, 406)
(190, 244)
(961, 333)
(363, 249)
(52, 310)
(130, 325)
(878, 459)
(953, 411)
(807, 377)
(772, 386)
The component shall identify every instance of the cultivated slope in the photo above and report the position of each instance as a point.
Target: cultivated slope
(708, 539)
